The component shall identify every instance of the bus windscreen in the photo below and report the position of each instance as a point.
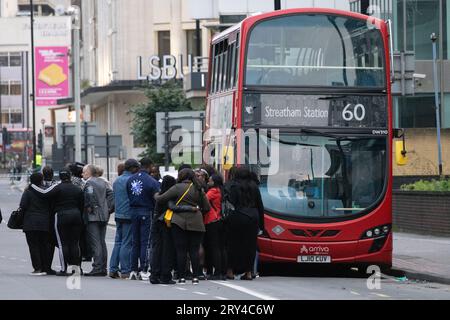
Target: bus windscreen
(315, 50)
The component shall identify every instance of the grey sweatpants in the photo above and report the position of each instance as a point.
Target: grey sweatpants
(96, 234)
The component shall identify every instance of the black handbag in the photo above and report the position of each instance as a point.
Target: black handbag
(15, 221)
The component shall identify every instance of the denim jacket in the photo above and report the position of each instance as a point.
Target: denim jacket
(121, 196)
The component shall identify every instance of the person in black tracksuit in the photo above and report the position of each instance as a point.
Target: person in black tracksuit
(36, 222)
(68, 204)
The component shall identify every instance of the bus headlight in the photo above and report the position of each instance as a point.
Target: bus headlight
(376, 232)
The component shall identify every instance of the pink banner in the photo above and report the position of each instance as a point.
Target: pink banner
(52, 75)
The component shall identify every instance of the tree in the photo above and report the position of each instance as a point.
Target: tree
(168, 96)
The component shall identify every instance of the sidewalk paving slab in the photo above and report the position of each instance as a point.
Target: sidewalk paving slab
(422, 257)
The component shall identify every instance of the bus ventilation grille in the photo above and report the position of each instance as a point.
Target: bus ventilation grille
(314, 233)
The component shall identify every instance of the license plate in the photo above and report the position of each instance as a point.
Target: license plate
(314, 259)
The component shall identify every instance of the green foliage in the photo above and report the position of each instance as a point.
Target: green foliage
(433, 185)
(167, 97)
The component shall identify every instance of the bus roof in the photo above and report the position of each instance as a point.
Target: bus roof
(257, 17)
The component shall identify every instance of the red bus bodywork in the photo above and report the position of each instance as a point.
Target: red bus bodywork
(346, 246)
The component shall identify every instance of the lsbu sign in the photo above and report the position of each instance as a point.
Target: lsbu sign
(164, 68)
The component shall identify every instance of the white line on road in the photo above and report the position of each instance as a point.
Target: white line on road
(200, 293)
(355, 293)
(182, 289)
(12, 258)
(381, 295)
(246, 290)
(3, 257)
(221, 298)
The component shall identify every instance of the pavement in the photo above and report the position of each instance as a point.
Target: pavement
(424, 260)
(422, 257)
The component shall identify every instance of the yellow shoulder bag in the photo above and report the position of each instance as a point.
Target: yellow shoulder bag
(169, 213)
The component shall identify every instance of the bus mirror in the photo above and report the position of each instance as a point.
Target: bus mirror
(398, 133)
(400, 153)
(228, 157)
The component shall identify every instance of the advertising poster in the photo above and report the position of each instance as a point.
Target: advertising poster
(52, 75)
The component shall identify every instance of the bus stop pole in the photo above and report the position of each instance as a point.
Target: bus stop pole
(437, 104)
(107, 156)
(166, 141)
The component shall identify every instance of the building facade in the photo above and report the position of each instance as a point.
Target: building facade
(15, 65)
(413, 23)
(121, 36)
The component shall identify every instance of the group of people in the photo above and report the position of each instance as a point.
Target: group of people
(192, 227)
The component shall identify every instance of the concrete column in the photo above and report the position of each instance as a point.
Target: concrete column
(176, 31)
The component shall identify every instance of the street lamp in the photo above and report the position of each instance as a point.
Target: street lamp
(33, 85)
(433, 38)
(74, 11)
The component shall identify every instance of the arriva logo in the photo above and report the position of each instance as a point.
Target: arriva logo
(315, 250)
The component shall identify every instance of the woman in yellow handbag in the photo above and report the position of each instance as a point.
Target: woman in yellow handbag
(187, 227)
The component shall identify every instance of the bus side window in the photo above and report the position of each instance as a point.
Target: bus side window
(232, 63)
(225, 65)
(236, 63)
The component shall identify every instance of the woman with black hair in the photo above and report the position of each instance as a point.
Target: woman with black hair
(187, 227)
(243, 225)
(213, 243)
(36, 225)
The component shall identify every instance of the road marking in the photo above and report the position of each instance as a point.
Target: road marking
(3, 257)
(355, 293)
(182, 289)
(23, 260)
(221, 298)
(12, 258)
(246, 290)
(381, 295)
(200, 293)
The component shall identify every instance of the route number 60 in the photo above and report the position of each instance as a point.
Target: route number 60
(358, 113)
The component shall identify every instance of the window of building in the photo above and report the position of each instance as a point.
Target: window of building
(4, 62)
(15, 59)
(415, 21)
(4, 88)
(15, 88)
(191, 43)
(163, 43)
(415, 112)
(15, 118)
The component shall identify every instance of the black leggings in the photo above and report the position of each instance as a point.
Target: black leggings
(68, 233)
(214, 247)
(38, 243)
(187, 241)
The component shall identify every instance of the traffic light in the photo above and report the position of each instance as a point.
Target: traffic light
(40, 141)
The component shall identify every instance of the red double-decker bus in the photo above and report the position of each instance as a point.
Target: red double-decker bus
(312, 87)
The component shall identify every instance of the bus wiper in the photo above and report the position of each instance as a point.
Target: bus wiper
(320, 133)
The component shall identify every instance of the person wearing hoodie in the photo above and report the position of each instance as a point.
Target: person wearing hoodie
(68, 205)
(141, 188)
(36, 225)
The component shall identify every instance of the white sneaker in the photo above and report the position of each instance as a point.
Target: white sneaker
(144, 276)
(38, 273)
(133, 275)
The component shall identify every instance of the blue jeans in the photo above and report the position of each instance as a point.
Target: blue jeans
(140, 226)
(121, 254)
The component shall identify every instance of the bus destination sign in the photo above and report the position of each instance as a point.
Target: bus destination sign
(352, 111)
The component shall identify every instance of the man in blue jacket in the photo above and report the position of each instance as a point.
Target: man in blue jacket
(141, 188)
(121, 254)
